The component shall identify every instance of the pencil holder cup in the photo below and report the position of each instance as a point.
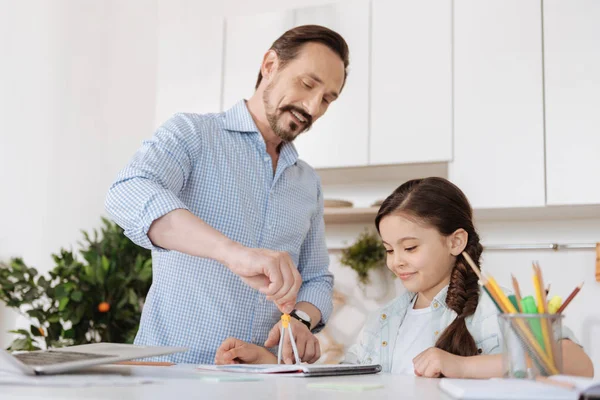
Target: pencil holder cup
(531, 345)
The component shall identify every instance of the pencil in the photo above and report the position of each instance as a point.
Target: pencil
(570, 298)
(517, 290)
(547, 334)
(491, 297)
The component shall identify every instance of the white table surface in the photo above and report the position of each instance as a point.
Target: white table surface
(183, 383)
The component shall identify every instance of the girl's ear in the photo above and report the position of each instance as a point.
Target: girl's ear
(458, 241)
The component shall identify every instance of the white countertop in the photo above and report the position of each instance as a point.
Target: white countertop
(189, 386)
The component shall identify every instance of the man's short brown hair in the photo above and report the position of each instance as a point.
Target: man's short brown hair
(288, 45)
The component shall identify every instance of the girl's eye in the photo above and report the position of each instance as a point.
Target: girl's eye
(306, 85)
(389, 251)
(410, 248)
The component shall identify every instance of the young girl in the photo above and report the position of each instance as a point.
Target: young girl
(444, 325)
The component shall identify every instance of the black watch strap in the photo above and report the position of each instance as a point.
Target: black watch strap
(293, 314)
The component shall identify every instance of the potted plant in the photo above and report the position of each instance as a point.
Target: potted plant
(95, 297)
(366, 256)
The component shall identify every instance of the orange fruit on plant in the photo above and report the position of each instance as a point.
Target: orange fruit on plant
(103, 307)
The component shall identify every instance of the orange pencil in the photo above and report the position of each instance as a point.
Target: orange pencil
(570, 298)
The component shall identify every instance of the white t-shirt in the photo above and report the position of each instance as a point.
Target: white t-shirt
(414, 337)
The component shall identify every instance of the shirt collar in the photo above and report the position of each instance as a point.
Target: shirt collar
(438, 301)
(239, 119)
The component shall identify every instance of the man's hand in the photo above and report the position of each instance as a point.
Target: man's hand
(433, 363)
(234, 351)
(308, 346)
(273, 273)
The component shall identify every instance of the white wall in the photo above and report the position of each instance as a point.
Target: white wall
(76, 99)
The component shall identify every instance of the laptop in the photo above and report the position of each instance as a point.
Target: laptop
(73, 358)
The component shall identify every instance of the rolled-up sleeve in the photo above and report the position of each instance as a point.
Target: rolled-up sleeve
(148, 187)
(317, 281)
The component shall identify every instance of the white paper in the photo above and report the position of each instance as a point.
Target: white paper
(254, 368)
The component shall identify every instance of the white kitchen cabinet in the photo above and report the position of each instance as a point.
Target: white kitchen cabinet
(340, 137)
(189, 61)
(411, 81)
(572, 87)
(247, 39)
(498, 103)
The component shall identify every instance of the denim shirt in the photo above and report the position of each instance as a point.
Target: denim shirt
(378, 337)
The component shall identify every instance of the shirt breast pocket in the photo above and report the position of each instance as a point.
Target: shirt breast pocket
(488, 345)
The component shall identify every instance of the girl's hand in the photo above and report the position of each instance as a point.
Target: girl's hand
(434, 363)
(234, 351)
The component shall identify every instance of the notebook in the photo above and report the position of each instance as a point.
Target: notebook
(522, 389)
(305, 370)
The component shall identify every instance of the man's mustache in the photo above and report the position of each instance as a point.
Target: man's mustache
(300, 111)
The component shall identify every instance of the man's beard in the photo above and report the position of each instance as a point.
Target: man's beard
(275, 114)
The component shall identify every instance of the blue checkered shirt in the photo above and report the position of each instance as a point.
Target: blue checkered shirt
(217, 167)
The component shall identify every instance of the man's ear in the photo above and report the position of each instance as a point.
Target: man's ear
(269, 65)
(457, 241)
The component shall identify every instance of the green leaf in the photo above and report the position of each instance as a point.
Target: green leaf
(54, 318)
(133, 299)
(25, 344)
(105, 264)
(63, 303)
(68, 334)
(60, 291)
(76, 296)
(20, 332)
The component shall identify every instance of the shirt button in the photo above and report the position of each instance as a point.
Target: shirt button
(437, 333)
(267, 159)
(369, 360)
(384, 343)
(383, 316)
(435, 304)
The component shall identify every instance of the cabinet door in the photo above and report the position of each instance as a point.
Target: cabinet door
(340, 137)
(189, 65)
(572, 83)
(247, 39)
(498, 103)
(411, 81)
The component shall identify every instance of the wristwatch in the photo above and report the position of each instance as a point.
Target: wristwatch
(302, 317)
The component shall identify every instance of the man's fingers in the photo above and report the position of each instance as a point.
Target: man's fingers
(272, 271)
(273, 338)
(309, 351)
(300, 345)
(288, 353)
(289, 298)
(317, 352)
(282, 295)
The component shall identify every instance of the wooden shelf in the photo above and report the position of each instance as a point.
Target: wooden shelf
(355, 215)
(350, 215)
